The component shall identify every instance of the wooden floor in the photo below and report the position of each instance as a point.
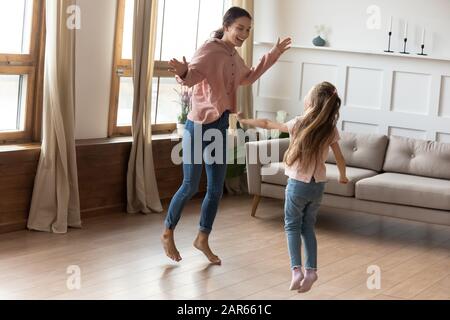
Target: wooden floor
(120, 257)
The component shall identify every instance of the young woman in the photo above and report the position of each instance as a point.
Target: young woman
(216, 71)
(312, 135)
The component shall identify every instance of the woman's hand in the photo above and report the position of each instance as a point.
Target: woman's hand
(241, 119)
(343, 180)
(179, 68)
(284, 45)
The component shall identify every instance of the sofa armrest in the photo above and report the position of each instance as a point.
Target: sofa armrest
(260, 153)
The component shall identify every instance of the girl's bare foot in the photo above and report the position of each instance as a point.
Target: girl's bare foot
(307, 283)
(201, 243)
(168, 242)
(297, 277)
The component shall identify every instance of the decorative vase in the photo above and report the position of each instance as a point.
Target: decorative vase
(180, 129)
(319, 42)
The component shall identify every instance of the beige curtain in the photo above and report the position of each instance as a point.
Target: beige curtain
(238, 184)
(245, 94)
(143, 195)
(55, 203)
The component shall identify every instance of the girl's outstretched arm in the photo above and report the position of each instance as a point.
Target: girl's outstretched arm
(263, 124)
(340, 162)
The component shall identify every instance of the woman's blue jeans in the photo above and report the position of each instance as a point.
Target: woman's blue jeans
(202, 144)
(301, 207)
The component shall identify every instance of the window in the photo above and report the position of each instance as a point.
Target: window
(183, 25)
(20, 55)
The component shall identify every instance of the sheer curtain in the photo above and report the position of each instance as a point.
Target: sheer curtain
(142, 189)
(245, 95)
(236, 183)
(55, 204)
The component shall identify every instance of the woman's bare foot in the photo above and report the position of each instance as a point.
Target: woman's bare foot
(307, 283)
(201, 243)
(168, 242)
(297, 277)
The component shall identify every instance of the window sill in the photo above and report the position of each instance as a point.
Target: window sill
(19, 147)
(88, 142)
(129, 139)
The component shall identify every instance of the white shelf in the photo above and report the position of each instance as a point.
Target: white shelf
(395, 54)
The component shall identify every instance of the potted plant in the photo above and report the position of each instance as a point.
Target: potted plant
(185, 101)
(236, 180)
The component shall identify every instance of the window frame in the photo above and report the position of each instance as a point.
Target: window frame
(31, 65)
(123, 68)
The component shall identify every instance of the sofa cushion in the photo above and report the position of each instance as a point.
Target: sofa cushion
(365, 151)
(353, 174)
(274, 174)
(406, 190)
(418, 157)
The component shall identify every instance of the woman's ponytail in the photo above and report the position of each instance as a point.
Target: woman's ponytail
(219, 33)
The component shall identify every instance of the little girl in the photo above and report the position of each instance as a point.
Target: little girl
(311, 137)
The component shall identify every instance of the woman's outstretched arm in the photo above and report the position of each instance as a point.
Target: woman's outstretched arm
(186, 74)
(266, 62)
(189, 74)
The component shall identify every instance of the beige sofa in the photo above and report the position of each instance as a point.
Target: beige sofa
(395, 176)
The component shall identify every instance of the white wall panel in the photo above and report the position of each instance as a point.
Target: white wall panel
(411, 92)
(409, 133)
(444, 109)
(279, 81)
(313, 73)
(381, 93)
(364, 88)
(359, 127)
(443, 137)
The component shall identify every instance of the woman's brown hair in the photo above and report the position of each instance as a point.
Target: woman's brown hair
(229, 18)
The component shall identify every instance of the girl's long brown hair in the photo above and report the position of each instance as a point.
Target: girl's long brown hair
(312, 134)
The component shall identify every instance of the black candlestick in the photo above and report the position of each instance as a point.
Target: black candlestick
(422, 54)
(389, 44)
(404, 46)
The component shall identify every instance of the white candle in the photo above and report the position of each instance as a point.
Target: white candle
(406, 30)
(423, 36)
(390, 28)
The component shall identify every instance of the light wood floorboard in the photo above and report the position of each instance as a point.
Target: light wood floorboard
(120, 257)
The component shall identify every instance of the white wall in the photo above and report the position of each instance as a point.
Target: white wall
(94, 58)
(273, 18)
(382, 93)
(347, 20)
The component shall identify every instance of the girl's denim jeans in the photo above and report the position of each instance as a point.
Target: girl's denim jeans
(301, 207)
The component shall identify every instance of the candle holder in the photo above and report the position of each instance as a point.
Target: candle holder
(404, 46)
(389, 43)
(421, 53)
